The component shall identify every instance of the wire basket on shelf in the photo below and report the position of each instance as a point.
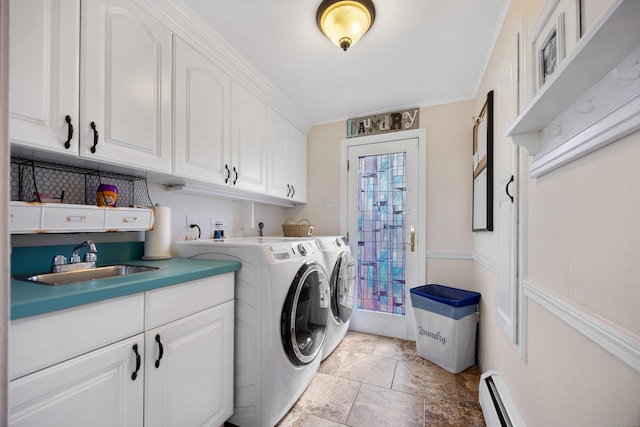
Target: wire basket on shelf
(38, 181)
(302, 228)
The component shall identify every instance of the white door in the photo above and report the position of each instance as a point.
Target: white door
(201, 114)
(299, 165)
(506, 172)
(125, 85)
(248, 140)
(96, 389)
(280, 156)
(287, 159)
(385, 205)
(187, 377)
(44, 74)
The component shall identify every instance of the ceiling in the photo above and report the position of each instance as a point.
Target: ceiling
(418, 52)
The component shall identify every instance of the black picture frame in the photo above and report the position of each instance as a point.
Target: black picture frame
(549, 56)
(482, 182)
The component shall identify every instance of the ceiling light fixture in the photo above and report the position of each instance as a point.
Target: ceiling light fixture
(345, 21)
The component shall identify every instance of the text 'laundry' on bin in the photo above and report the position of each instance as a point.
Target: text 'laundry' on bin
(446, 323)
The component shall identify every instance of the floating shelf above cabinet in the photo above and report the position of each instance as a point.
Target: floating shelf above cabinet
(35, 217)
(558, 125)
(31, 212)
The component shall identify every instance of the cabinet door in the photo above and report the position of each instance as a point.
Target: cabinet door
(248, 142)
(280, 155)
(287, 159)
(189, 370)
(201, 97)
(125, 85)
(298, 167)
(44, 73)
(95, 389)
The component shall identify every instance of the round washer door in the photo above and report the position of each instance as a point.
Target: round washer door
(305, 314)
(342, 284)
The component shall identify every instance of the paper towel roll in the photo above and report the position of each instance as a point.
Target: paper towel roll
(157, 242)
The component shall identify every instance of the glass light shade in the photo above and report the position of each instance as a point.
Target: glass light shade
(345, 22)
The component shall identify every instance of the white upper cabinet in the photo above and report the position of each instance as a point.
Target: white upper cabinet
(125, 85)
(248, 161)
(110, 67)
(201, 113)
(298, 167)
(44, 73)
(287, 159)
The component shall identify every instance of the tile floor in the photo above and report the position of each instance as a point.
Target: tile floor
(377, 381)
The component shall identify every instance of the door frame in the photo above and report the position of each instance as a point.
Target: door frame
(421, 243)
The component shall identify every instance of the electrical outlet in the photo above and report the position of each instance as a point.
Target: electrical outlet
(329, 202)
(191, 219)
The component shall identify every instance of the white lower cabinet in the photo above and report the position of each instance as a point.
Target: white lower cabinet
(187, 374)
(95, 389)
(74, 368)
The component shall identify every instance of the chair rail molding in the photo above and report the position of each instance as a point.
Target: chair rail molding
(446, 254)
(622, 345)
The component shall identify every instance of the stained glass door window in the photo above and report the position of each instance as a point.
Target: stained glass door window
(381, 233)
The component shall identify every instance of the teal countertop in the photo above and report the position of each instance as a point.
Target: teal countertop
(29, 299)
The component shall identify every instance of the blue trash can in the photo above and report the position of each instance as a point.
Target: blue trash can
(446, 321)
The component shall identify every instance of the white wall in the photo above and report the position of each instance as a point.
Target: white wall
(581, 250)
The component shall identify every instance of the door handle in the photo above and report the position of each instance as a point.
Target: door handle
(67, 143)
(412, 239)
(160, 349)
(134, 375)
(506, 189)
(95, 137)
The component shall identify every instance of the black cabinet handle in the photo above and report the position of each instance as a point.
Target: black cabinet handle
(95, 137)
(134, 375)
(226, 179)
(235, 171)
(288, 190)
(506, 188)
(293, 191)
(67, 143)
(161, 348)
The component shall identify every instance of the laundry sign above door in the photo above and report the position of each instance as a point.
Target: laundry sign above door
(383, 123)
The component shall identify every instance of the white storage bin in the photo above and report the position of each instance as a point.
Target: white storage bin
(446, 323)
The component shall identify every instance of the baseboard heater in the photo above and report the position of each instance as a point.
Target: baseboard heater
(497, 406)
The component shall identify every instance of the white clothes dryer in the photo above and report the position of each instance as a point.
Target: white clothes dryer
(282, 305)
(341, 270)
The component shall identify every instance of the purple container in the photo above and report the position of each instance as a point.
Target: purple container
(107, 195)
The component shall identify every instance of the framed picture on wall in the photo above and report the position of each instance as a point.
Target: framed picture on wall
(553, 38)
(482, 204)
(549, 56)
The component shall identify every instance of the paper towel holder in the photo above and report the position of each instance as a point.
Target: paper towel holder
(157, 244)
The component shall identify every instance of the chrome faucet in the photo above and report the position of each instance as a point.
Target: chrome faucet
(90, 256)
(90, 259)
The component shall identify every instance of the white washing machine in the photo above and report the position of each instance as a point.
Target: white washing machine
(341, 270)
(282, 307)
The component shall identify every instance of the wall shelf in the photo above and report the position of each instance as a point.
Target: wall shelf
(596, 87)
(72, 207)
(31, 178)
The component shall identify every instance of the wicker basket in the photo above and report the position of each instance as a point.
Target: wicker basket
(300, 228)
